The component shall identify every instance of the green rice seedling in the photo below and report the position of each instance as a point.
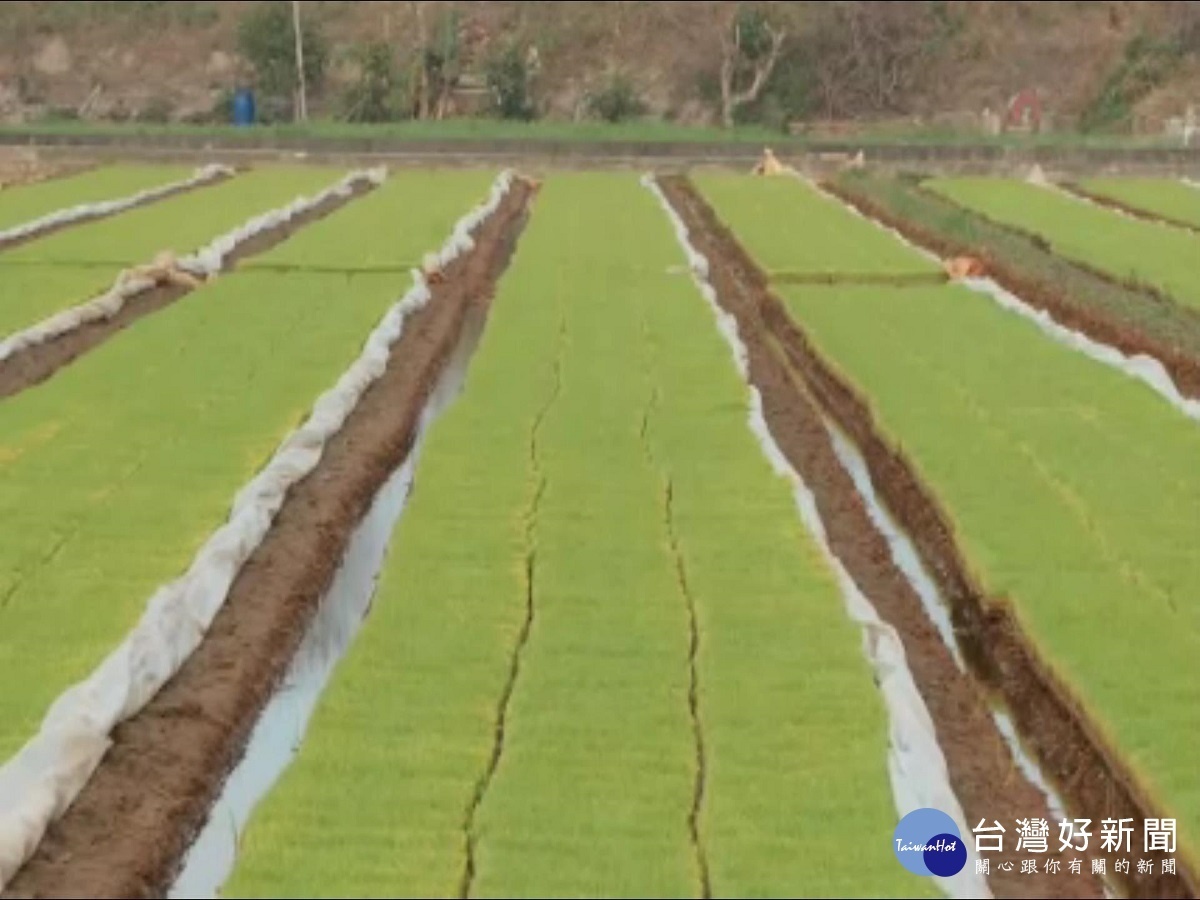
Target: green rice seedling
(46, 276)
(1167, 197)
(592, 498)
(181, 223)
(1073, 490)
(377, 221)
(24, 203)
(1081, 293)
(793, 229)
(1147, 253)
(115, 471)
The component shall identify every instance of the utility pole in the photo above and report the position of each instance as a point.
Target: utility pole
(302, 94)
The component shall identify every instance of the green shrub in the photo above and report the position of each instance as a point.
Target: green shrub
(380, 94)
(1147, 63)
(267, 40)
(616, 101)
(508, 80)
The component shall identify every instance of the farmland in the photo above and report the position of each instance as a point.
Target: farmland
(1145, 253)
(939, 363)
(796, 230)
(86, 549)
(62, 270)
(1167, 198)
(1075, 461)
(25, 203)
(657, 618)
(621, 496)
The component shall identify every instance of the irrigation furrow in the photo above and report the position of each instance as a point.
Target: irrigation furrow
(693, 691)
(700, 778)
(986, 780)
(167, 763)
(1070, 748)
(470, 826)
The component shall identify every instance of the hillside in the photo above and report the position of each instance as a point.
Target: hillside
(937, 63)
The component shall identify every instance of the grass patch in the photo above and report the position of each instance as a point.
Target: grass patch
(641, 131)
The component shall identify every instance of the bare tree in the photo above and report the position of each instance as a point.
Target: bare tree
(750, 47)
(422, 111)
(871, 56)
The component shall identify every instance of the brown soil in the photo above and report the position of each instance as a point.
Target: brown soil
(127, 833)
(61, 226)
(1113, 203)
(1096, 323)
(36, 363)
(1089, 775)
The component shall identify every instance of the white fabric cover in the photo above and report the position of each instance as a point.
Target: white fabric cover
(107, 207)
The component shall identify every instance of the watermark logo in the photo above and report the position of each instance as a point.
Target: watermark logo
(928, 842)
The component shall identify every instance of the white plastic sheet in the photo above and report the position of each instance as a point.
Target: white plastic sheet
(281, 728)
(1145, 369)
(905, 555)
(107, 207)
(205, 262)
(916, 765)
(902, 550)
(42, 780)
(900, 546)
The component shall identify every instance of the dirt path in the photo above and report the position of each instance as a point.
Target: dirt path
(797, 388)
(10, 243)
(1092, 321)
(127, 833)
(37, 362)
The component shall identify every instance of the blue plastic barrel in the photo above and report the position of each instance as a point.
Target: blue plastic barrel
(243, 107)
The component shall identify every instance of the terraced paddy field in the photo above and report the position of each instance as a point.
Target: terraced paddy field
(726, 539)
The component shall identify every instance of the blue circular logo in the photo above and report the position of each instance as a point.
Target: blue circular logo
(928, 842)
(945, 854)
